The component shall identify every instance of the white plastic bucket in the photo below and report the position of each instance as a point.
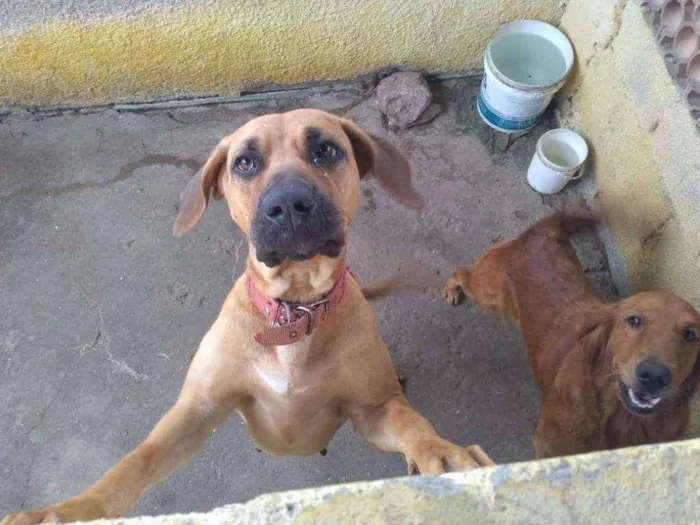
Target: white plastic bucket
(525, 64)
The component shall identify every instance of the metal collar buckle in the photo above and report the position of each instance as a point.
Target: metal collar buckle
(309, 311)
(286, 318)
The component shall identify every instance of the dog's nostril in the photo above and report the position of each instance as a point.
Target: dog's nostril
(303, 206)
(275, 211)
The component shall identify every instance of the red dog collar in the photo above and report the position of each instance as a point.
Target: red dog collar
(292, 321)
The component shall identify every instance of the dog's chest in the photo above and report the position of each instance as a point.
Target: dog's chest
(283, 373)
(627, 430)
(294, 404)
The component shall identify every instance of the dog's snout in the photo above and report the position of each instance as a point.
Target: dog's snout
(653, 376)
(295, 220)
(289, 199)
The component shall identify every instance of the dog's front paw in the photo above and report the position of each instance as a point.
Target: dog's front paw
(453, 292)
(30, 518)
(438, 456)
(75, 509)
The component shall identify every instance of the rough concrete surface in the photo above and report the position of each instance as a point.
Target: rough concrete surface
(57, 52)
(644, 144)
(102, 307)
(591, 489)
(20, 16)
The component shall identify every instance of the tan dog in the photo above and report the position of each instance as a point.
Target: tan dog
(611, 375)
(293, 365)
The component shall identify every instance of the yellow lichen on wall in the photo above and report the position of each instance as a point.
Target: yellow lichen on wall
(644, 144)
(220, 47)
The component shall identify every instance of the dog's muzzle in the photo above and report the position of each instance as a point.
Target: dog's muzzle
(294, 221)
(652, 379)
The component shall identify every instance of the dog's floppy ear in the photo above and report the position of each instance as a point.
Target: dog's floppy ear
(587, 333)
(595, 332)
(195, 197)
(378, 157)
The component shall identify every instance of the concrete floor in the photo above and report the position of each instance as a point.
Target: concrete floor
(102, 307)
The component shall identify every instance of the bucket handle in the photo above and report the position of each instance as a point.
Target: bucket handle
(579, 172)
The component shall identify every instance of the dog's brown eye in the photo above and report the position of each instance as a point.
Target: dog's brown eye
(634, 320)
(689, 336)
(327, 150)
(244, 163)
(327, 153)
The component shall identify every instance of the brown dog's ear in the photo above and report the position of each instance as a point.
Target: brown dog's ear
(581, 339)
(595, 333)
(195, 197)
(587, 328)
(375, 155)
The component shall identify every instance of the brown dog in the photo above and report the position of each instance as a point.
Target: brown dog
(611, 375)
(295, 350)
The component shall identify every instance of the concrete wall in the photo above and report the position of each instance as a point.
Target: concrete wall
(96, 51)
(646, 148)
(656, 484)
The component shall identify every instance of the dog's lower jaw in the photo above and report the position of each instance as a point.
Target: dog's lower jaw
(636, 405)
(274, 256)
(296, 281)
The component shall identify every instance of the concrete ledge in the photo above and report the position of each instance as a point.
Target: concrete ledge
(652, 484)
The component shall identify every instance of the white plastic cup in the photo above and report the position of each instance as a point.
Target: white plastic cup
(525, 64)
(559, 157)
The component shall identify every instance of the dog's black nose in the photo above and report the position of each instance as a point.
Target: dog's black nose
(288, 199)
(294, 220)
(653, 376)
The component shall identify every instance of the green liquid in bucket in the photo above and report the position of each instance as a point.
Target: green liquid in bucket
(528, 59)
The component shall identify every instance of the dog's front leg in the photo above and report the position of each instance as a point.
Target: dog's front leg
(396, 427)
(564, 429)
(176, 437)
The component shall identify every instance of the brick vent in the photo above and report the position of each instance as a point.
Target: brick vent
(676, 27)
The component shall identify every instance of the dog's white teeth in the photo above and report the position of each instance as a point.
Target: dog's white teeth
(632, 397)
(638, 402)
(652, 402)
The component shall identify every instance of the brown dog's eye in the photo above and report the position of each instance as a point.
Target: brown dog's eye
(245, 166)
(689, 336)
(244, 163)
(634, 320)
(327, 153)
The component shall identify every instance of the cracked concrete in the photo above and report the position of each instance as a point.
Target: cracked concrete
(125, 172)
(102, 307)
